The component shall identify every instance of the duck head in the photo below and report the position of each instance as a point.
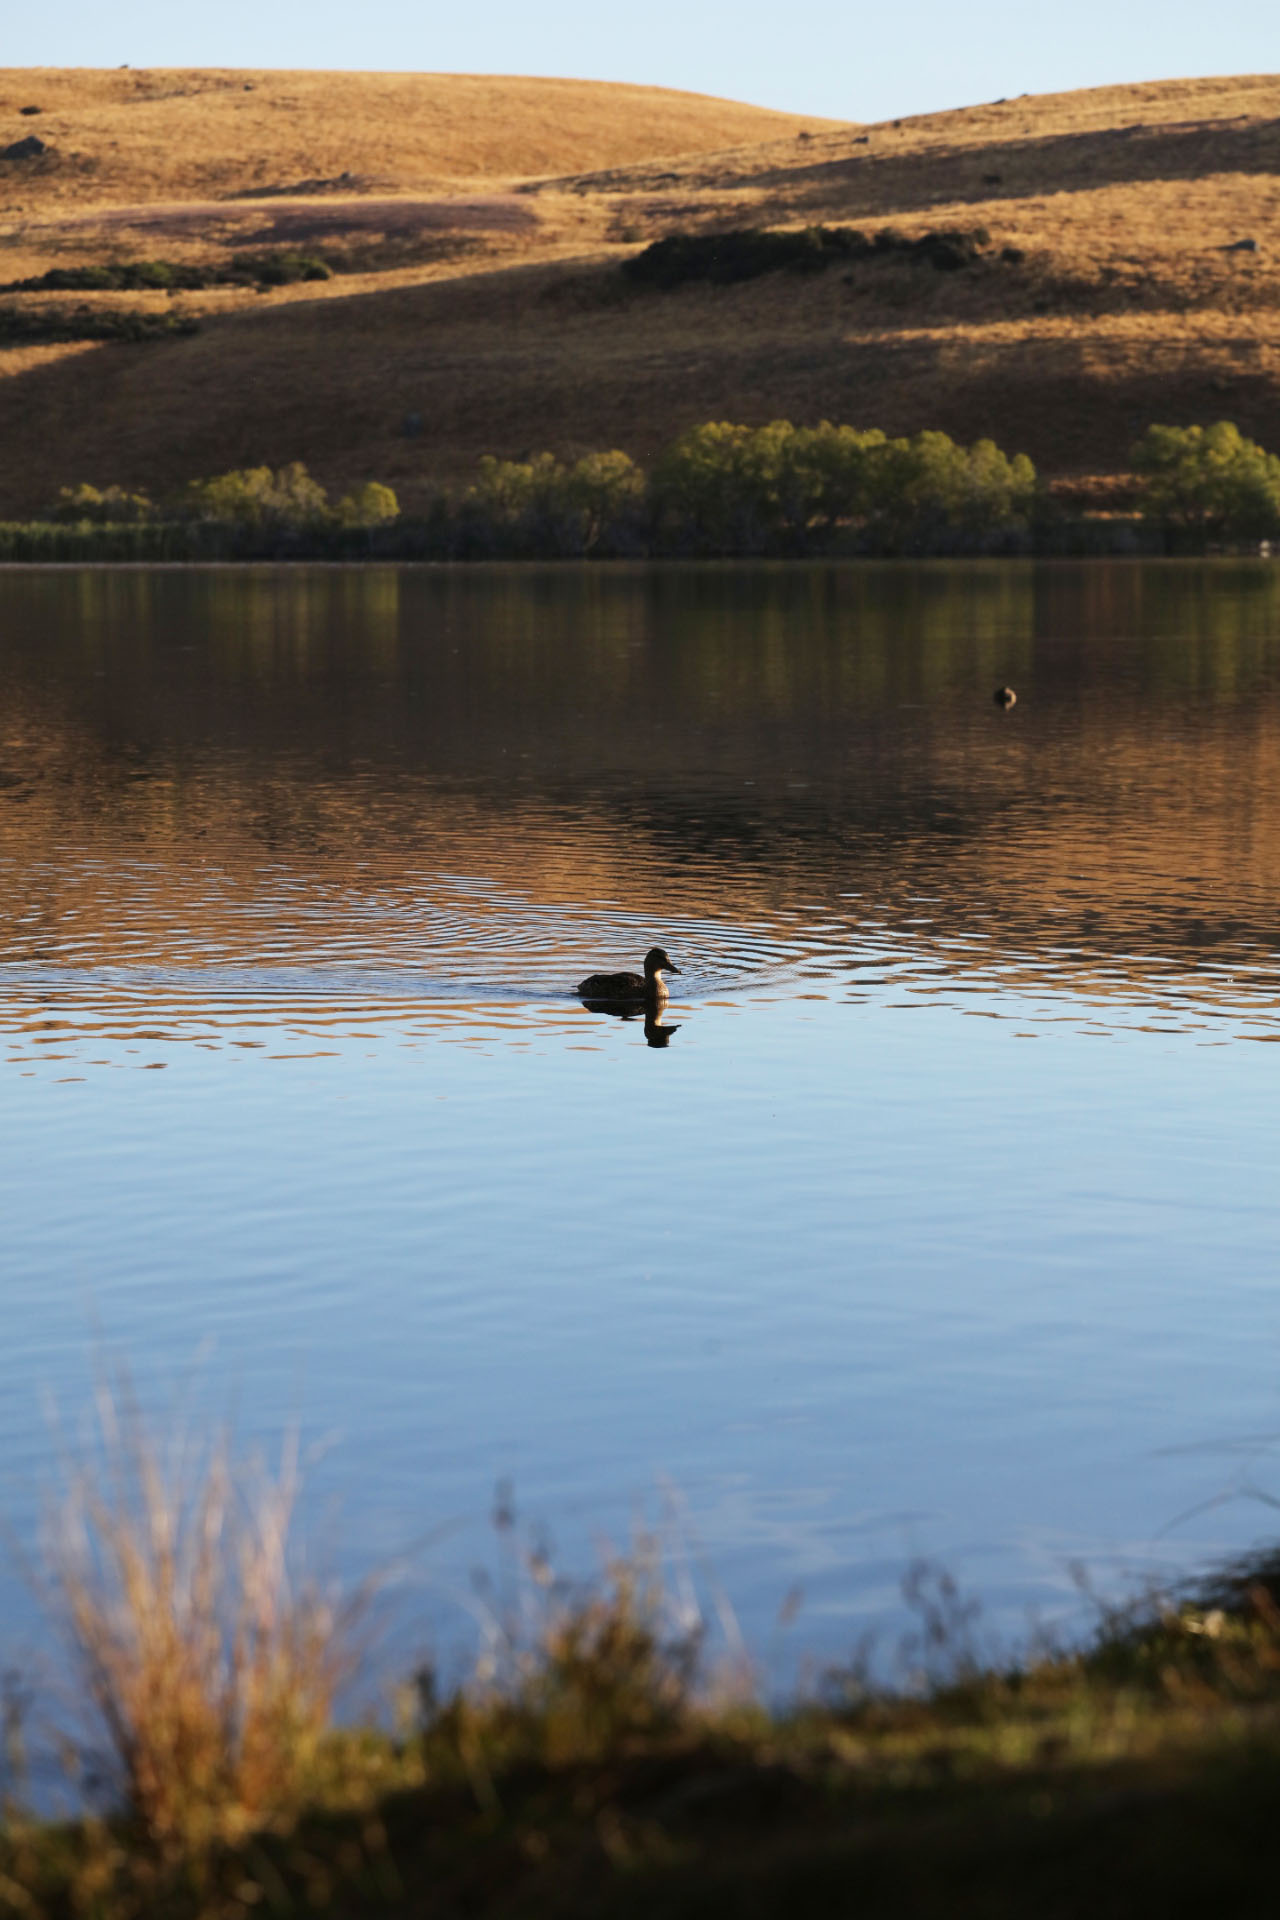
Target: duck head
(658, 961)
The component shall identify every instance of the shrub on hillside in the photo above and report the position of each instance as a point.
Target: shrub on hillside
(276, 269)
(69, 280)
(1209, 481)
(31, 326)
(744, 253)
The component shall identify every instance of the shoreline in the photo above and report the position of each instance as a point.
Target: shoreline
(597, 1774)
(1263, 553)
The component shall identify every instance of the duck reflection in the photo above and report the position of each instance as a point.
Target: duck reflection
(628, 996)
(655, 1032)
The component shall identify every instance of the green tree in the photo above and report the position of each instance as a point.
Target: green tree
(287, 498)
(608, 493)
(104, 506)
(929, 484)
(734, 489)
(541, 506)
(718, 485)
(368, 505)
(1209, 480)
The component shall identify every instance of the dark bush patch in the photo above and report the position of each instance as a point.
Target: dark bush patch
(745, 253)
(29, 149)
(274, 269)
(299, 189)
(950, 249)
(131, 276)
(170, 276)
(33, 326)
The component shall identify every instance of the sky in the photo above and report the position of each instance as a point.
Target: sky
(846, 58)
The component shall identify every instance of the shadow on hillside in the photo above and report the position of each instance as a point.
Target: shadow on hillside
(873, 181)
(549, 356)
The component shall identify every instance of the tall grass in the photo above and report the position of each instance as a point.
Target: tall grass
(210, 1671)
(586, 1769)
(568, 1673)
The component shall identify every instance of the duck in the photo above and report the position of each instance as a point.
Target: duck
(649, 986)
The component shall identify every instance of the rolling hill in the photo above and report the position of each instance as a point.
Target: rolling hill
(1131, 272)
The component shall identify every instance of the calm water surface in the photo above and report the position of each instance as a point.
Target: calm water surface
(942, 1219)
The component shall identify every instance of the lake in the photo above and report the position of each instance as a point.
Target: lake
(938, 1216)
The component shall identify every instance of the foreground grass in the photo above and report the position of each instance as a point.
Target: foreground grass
(591, 1767)
(1138, 1779)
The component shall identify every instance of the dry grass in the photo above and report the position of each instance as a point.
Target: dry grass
(587, 1770)
(586, 1775)
(212, 1676)
(499, 317)
(175, 134)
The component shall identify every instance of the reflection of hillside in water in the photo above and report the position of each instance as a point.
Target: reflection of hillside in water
(354, 794)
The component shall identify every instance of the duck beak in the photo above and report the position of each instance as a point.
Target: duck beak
(671, 967)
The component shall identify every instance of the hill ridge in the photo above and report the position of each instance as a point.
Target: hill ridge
(1130, 276)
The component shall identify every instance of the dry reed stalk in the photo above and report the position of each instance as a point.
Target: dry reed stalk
(569, 1671)
(213, 1675)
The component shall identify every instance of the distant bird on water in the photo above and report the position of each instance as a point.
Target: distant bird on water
(1005, 697)
(649, 986)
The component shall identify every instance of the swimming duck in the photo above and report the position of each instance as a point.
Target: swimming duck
(648, 986)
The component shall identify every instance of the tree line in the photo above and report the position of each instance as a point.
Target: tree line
(718, 489)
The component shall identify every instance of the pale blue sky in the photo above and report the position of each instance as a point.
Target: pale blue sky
(852, 60)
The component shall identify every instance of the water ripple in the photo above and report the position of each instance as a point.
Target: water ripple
(467, 957)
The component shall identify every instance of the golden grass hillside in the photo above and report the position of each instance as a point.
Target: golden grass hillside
(180, 134)
(481, 291)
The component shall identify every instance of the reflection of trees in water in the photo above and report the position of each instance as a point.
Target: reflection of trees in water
(717, 742)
